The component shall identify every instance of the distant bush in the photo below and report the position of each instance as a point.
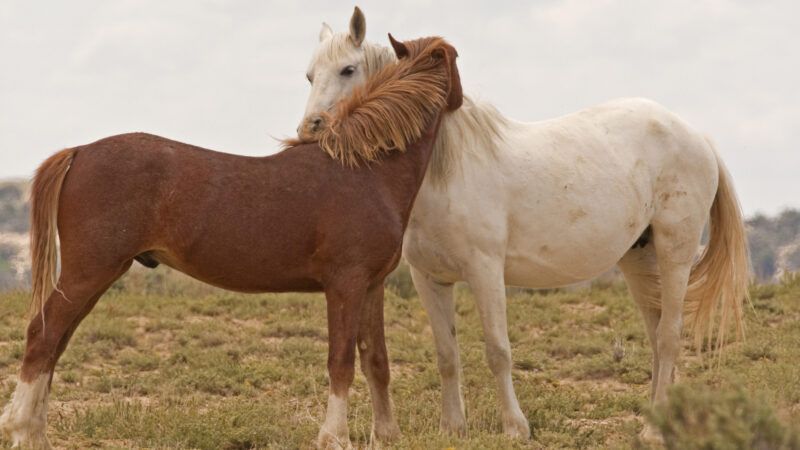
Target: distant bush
(400, 282)
(14, 210)
(702, 418)
(766, 235)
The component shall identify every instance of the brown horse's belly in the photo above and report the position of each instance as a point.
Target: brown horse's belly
(241, 277)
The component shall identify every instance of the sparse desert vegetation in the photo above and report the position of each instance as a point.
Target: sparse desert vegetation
(165, 362)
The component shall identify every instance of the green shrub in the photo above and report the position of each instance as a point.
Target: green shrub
(703, 418)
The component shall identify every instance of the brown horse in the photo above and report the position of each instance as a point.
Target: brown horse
(300, 220)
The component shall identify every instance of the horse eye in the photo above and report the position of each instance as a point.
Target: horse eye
(347, 71)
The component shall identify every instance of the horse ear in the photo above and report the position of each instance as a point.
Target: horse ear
(456, 97)
(325, 32)
(400, 49)
(358, 27)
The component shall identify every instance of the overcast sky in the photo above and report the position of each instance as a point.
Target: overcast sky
(230, 75)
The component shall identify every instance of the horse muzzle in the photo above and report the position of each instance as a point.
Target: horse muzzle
(311, 127)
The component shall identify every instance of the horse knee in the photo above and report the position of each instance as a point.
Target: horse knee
(341, 370)
(669, 341)
(40, 352)
(375, 366)
(448, 366)
(499, 358)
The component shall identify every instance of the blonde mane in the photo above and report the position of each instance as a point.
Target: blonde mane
(389, 112)
(476, 125)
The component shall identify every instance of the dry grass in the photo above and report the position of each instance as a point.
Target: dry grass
(163, 362)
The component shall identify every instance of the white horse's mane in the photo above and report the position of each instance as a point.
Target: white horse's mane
(475, 129)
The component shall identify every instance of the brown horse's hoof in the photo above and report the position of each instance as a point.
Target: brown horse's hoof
(23, 438)
(24, 428)
(453, 427)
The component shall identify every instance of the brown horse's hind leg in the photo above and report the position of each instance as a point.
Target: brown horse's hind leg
(375, 364)
(24, 419)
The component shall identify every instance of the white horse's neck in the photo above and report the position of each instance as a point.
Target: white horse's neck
(476, 129)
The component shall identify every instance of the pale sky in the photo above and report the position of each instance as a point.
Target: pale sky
(230, 75)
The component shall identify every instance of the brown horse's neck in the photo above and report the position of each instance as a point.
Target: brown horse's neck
(403, 172)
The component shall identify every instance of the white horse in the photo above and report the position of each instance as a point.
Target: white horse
(550, 203)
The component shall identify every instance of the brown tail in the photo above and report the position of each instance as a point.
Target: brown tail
(45, 193)
(719, 280)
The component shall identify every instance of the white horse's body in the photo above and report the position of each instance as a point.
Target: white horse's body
(551, 203)
(564, 200)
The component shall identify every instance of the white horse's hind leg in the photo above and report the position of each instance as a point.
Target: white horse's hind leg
(640, 268)
(438, 301)
(24, 419)
(488, 285)
(674, 278)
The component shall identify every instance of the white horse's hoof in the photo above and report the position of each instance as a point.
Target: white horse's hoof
(517, 427)
(329, 440)
(453, 426)
(651, 435)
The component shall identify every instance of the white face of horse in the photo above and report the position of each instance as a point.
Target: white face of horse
(338, 65)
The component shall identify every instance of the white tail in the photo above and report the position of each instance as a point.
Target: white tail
(718, 284)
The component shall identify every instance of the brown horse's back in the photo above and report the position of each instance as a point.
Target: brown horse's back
(208, 213)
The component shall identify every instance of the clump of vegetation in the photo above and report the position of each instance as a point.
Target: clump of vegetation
(696, 417)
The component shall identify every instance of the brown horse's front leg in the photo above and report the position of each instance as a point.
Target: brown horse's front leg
(344, 300)
(375, 364)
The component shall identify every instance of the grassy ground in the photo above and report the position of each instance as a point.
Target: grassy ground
(160, 364)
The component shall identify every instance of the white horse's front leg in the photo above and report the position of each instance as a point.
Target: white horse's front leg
(438, 301)
(488, 285)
